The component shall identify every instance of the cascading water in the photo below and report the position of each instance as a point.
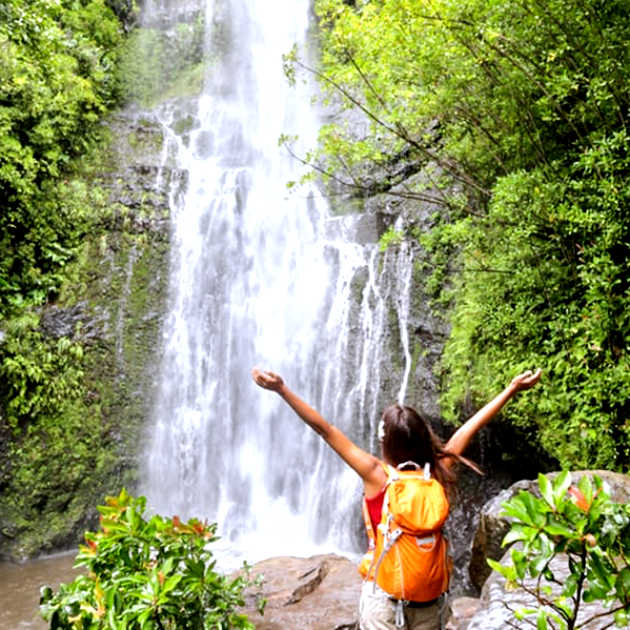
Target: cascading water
(254, 282)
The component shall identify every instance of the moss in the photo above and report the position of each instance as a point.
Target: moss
(184, 125)
(417, 352)
(341, 204)
(358, 283)
(81, 441)
(188, 83)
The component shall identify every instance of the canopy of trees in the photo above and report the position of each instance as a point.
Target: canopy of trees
(518, 109)
(58, 75)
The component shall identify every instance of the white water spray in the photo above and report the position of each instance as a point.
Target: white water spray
(254, 282)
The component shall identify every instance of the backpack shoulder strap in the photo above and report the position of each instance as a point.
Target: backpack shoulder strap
(427, 470)
(392, 473)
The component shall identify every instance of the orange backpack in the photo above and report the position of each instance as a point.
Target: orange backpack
(408, 554)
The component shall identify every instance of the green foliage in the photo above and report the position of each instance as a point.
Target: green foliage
(547, 293)
(580, 528)
(58, 75)
(70, 415)
(517, 112)
(157, 65)
(147, 573)
(390, 238)
(52, 435)
(39, 375)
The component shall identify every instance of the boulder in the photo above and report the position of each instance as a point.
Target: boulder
(498, 601)
(463, 610)
(316, 593)
(320, 593)
(493, 527)
(491, 530)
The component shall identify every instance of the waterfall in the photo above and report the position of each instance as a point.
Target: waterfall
(257, 279)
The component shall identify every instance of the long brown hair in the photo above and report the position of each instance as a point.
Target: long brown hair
(408, 437)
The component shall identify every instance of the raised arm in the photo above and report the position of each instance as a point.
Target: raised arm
(461, 438)
(366, 465)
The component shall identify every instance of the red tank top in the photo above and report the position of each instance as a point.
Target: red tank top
(375, 508)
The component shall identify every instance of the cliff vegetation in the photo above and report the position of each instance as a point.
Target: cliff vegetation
(517, 113)
(83, 244)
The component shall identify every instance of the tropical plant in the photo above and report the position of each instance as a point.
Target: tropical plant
(58, 76)
(573, 548)
(512, 117)
(147, 573)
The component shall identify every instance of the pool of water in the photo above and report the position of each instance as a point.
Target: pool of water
(20, 584)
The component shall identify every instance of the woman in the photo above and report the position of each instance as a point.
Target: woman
(406, 438)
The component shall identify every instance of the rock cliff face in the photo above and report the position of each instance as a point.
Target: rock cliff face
(111, 305)
(115, 298)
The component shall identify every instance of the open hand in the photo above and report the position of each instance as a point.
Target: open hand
(526, 380)
(268, 380)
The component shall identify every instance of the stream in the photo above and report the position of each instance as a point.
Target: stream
(20, 585)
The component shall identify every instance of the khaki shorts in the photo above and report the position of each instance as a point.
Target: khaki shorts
(378, 612)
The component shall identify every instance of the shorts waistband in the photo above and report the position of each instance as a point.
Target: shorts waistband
(418, 604)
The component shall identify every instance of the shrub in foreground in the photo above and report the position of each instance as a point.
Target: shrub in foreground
(147, 574)
(573, 548)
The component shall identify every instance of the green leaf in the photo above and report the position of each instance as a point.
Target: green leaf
(524, 508)
(600, 571)
(546, 490)
(517, 533)
(539, 563)
(622, 618)
(560, 486)
(520, 561)
(555, 527)
(622, 585)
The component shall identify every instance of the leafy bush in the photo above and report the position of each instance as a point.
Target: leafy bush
(52, 436)
(144, 574)
(584, 529)
(515, 111)
(58, 76)
(38, 374)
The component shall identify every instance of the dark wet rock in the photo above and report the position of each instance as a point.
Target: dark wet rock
(77, 322)
(364, 228)
(139, 190)
(490, 533)
(61, 322)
